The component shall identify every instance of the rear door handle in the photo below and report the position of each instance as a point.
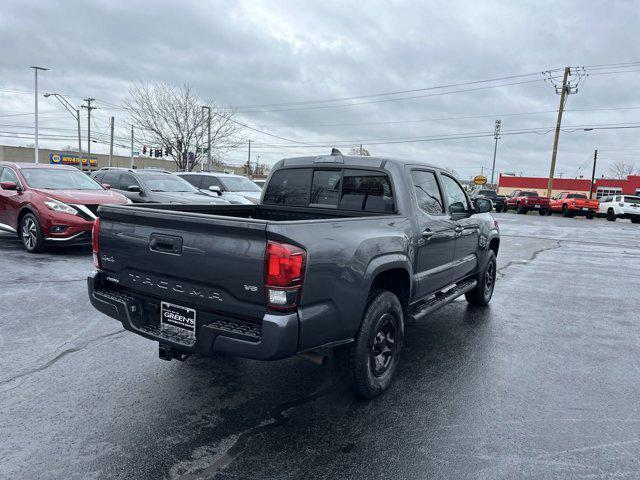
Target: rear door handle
(427, 233)
(459, 229)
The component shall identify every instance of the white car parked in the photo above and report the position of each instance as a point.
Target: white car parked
(235, 189)
(620, 206)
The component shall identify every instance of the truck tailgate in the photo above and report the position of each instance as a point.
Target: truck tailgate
(212, 262)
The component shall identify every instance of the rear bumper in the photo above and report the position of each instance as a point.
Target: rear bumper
(582, 210)
(275, 337)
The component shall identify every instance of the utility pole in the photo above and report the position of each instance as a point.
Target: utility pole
(131, 162)
(360, 149)
(89, 108)
(208, 109)
(563, 96)
(593, 173)
(111, 142)
(35, 70)
(249, 162)
(496, 136)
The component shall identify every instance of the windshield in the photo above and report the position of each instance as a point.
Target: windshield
(239, 184)
(165, 182)
(58, 179)
(635, 200)
(576, 195)
(487, 193)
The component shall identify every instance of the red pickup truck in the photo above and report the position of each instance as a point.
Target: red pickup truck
(572, 204)
(523, 201)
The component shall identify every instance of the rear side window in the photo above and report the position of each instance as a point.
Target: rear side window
(289, 187)
(635, 200)
(366, 190)
(209, 181)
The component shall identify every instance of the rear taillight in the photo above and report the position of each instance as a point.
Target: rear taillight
(95, 231)
(284, 272)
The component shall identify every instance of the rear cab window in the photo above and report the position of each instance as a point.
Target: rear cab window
(344, 189)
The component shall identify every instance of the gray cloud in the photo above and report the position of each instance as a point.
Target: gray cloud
(251, 53)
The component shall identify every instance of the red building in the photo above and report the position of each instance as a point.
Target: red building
(602, 186)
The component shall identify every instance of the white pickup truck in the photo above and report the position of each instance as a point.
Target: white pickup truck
(620, 206)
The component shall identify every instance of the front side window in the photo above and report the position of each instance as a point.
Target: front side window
(59, 179)
(165, 182)
(367, 191)
(427, 192)
(455, 195)
(209, 181)
(193, 179)
(127, 180)
(8, 175)
(239, 184)
(112, 179)
(289, 187)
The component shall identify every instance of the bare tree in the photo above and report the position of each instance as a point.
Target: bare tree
(359, 150)
(622, 170)
(173, 118)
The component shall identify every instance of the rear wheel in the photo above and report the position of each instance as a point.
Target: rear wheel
(482, 293)
(31, 233)
(591, 215)
(611, 216)
(543, 213)
(498, 209)
(635, 220)
(369, 363)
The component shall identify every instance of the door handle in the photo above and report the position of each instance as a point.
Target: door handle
(427, 233)
(459, 229)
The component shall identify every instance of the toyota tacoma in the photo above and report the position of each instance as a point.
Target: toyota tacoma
(338, 256)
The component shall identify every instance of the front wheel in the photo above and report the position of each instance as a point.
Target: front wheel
(543, 213)
(565, 212)
(590, 216)
(498, 209)
(611, 216)
(482, 293)
(31, 233)
(521, 210)
(635, 220)
(369, 363)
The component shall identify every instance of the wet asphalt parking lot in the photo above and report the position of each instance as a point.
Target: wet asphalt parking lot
(544, 383)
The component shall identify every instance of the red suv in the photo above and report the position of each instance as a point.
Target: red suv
(50, 205)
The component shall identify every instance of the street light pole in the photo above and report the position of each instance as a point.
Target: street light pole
(208, 109)
(496, 136)
(75, 113)
(35, 69)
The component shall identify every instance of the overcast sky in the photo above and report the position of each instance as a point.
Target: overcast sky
(255, 53)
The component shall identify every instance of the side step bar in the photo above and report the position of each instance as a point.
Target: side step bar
(426, 307)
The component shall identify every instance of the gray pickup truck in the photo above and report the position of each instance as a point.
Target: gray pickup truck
(340, 253)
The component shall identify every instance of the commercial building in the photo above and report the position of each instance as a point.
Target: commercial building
(97, 160)
(602, 186)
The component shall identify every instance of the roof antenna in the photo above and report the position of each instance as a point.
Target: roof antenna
(335, 151)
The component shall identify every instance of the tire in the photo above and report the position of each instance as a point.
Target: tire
(565, 212)
(611, 216)
(590, 216)
(31, 234)
(521, 210)
(498, 209)
(369, 364)
(543, 213)
(635, 220)
(481, 295)
(549, 212)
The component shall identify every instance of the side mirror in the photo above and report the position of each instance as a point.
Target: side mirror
(133, 188)
(107, 186)
(483, 205)
(215, 189)
(9, 185)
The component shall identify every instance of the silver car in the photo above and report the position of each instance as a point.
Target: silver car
(234, 189)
